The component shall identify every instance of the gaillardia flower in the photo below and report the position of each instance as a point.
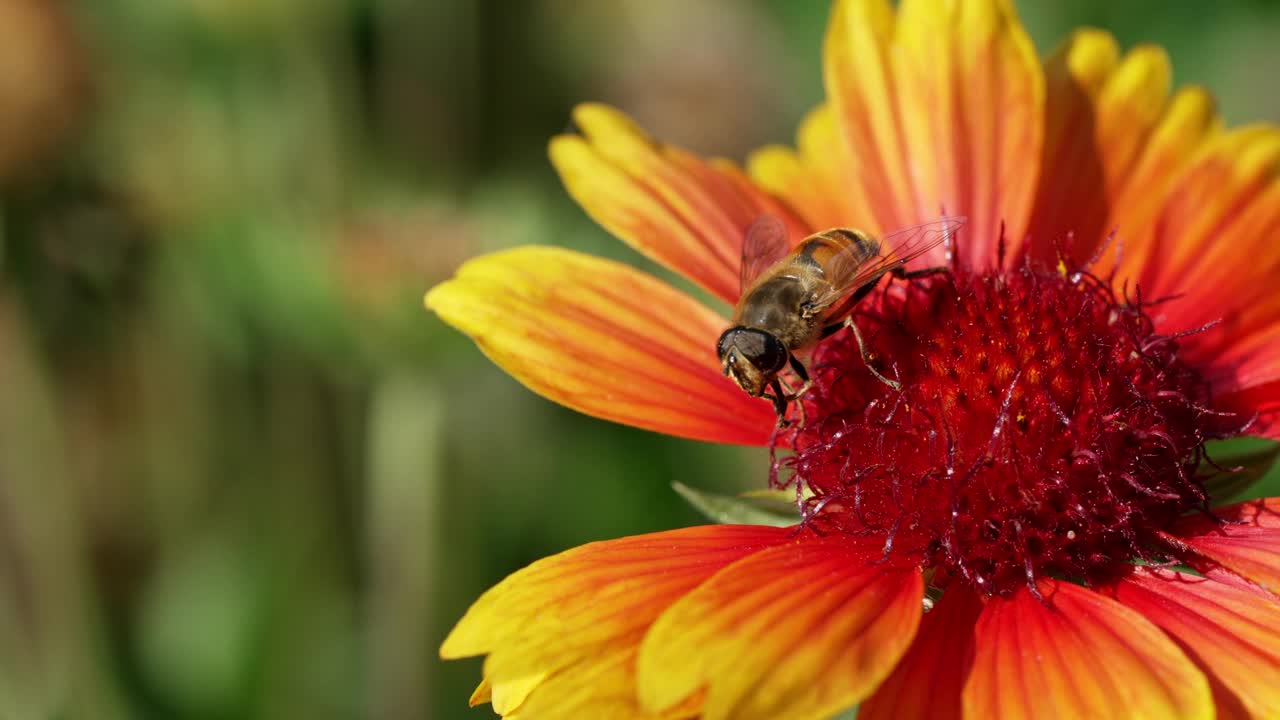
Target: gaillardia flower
(1038, 479)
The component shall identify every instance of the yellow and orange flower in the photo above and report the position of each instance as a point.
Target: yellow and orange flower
(1038, 472)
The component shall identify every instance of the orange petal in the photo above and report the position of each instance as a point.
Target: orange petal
(1231, 633)
(1243, 365)
(1261, 402)
(1070, 187)
(1115, 146)
(1246, 359)
(1078, 655)
(1213, 243)
(1243, 358)
(604, 339)
(804, 629)
(588, 603)
(1209, 240)
(939, 659)
(817, 179)
(943, 110)
(1247, 542)
(1102, 112)
(665, 202)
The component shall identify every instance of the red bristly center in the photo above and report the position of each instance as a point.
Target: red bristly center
(1043, 427)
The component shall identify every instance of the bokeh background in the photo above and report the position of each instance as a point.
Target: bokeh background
(243, 474)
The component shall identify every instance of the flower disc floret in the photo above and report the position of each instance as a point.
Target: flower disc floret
(1043, 427)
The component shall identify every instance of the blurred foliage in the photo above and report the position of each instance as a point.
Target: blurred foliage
(242, 473)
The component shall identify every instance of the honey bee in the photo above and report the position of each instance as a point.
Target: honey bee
(791, 300)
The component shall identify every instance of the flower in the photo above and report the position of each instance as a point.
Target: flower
(1036, 479)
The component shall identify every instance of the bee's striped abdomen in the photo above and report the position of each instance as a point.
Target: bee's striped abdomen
(817, 250)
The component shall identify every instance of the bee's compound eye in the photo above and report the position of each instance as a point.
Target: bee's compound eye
(724, 346)
(761, 350)
(773, 355)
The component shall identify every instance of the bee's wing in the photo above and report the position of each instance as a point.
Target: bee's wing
(764, 245)
(847, 271)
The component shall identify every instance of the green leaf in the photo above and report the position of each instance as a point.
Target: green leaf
(728, 509)
(1252, 459)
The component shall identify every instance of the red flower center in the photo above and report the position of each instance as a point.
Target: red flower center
(1043, 427)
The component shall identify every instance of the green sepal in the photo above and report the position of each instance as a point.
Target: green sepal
(737, 510)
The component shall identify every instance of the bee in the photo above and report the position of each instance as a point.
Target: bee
(791, 300)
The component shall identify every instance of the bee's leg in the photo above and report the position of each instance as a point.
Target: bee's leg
(798, 368)
(866, 357)
(796, 395)
(902, 274)
(779, 400)
(847, 307)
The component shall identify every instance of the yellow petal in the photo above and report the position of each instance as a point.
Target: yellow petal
(665, 202)
(804, 629)
(508, 693)
(483, 694)
(600, 686)
(943, 109)
(1189, 122)
(581, 614)
(860, 90)
(1078, 655)
(604, 339)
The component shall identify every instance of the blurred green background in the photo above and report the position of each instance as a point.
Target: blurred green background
(242, 473)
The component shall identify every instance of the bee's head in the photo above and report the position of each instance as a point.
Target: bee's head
(751, 358)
